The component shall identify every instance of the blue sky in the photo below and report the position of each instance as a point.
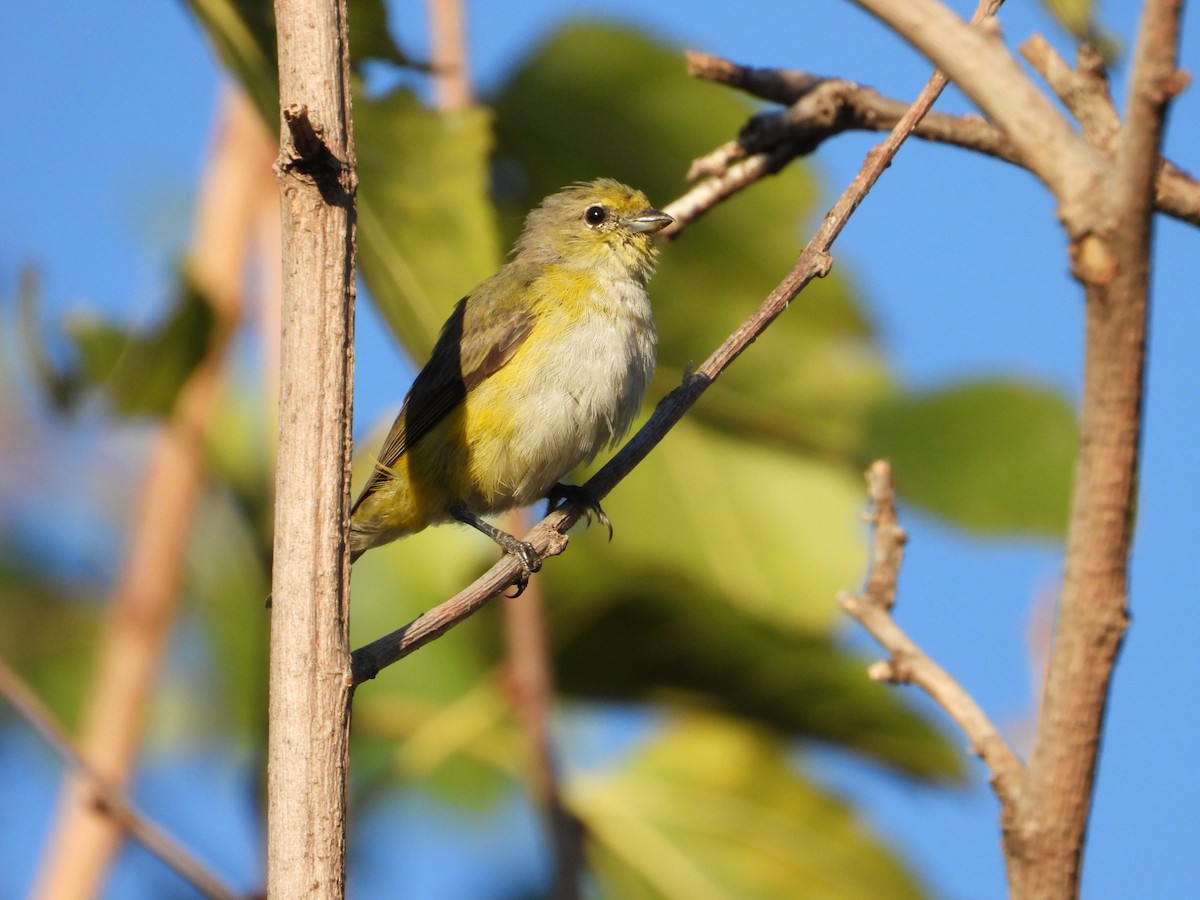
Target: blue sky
(108, 109)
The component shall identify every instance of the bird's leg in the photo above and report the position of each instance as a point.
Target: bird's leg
(580, 498)
(522, 550)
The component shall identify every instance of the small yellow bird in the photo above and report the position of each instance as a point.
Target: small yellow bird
(539, 368)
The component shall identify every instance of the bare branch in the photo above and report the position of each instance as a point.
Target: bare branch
(772, 139)
(979, 63)
(310, 691)
(108, 798)
(1092, 616)
(448, 52)
(1084, 90)
(784, 86)
(909, 663)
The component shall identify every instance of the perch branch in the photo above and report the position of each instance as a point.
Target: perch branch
(909, 664)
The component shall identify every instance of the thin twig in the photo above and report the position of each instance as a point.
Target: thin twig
(108, 797)
(909, 663)
(548, 536)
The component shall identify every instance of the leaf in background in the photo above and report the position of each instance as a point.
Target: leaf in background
(425, 225)
(710, 809)
(47, 636)
(602, 100)
(437, 716)
(243, 37)
(140, 373)
(993, 456)
(681, 646)
(772, 534)
(229, 582)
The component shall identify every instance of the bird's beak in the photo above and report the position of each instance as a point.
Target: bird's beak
(649, 221)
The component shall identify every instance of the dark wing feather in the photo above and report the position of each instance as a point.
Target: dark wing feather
(455, 367)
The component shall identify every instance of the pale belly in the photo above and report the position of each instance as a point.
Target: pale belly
(573, 399)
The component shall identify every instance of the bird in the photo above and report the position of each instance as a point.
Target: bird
(537, 370)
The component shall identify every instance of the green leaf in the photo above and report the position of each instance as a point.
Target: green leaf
(775, 534)
(993, 456)
(437, 716)
(243, 36)
(710, 810)
(602, 100)
(141, 373)
(672, 640)
(425, 225)
(48, 636)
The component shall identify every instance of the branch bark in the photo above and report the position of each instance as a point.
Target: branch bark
(909, 664)
(1107, 210)
(310, 690)
(530, 684)
(818, 109)
(979, 63)
(1093, 615)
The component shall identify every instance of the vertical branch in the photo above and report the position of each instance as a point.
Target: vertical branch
(1093, 608)
(448, 51)
(142, 609)
(531, 689)
(310, 692)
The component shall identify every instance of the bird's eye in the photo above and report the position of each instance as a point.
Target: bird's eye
(595, 215)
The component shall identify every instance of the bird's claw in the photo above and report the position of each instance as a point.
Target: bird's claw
(530, 562)
(582, 500)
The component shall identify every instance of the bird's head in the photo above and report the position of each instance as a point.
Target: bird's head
(600, 225)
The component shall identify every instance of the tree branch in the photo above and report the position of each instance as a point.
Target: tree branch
(984, 69)
(530, 686)
(909, 663)
(310, 689)
(819, 109)
(109, 799)
(1092, 616)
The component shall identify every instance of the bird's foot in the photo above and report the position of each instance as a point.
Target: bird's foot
(524, 551)
(582, 500)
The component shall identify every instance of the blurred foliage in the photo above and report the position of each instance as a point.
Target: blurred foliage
(139, 372)
(1011, 451)
(713, 809)
(715, 603)
(242, 33)
(426, 230)
(47, 635)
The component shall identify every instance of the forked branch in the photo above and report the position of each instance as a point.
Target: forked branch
(908, 663)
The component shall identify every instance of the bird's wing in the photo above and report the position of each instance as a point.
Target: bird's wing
(455, 367)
